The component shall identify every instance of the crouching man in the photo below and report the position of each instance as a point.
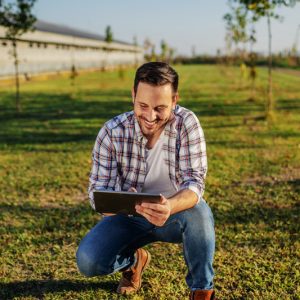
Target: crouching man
(159, 147)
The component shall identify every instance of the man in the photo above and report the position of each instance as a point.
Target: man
(157, 148)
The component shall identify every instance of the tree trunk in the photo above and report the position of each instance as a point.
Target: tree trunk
(16, 62)
(253, 73)
(270, 104)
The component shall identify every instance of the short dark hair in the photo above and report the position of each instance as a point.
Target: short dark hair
(157, 74)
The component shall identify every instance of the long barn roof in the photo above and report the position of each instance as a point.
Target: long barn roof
(66, 30)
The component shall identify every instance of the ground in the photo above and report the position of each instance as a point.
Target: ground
(252, 185)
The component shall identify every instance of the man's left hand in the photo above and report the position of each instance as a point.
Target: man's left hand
(155, 213)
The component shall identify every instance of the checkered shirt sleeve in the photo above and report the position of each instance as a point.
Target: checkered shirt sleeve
(192, 156)
(104, 159)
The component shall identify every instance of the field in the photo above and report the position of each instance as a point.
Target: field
(253, 185)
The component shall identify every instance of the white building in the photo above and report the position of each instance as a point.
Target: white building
(54, 48)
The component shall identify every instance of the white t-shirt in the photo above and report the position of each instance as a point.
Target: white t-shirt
(157, 179)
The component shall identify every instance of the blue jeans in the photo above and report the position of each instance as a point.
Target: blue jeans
(111, 244)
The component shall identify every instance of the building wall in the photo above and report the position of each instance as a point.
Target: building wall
(41, 52)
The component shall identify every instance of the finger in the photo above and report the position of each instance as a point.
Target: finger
(132, 189)
(152, 219)
(163, 199)
(142, 212)
(154, 206)
(154, 213)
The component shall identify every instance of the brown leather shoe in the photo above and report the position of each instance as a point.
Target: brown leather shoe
(202, 295)
(131, 280)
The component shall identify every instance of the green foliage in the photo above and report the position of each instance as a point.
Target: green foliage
(167, 52)
(252, 187)
(237, 22)
(108, 34)
(164, 50)
(16, 17)
(73, 74)
(262, 8)
(153, 56)
(135, 41)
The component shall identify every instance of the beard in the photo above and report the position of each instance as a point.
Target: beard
(152, 128)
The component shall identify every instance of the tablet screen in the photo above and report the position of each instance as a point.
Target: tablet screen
(121, 202)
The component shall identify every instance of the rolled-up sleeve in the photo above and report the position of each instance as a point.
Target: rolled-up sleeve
(192, 156)
(103, 175)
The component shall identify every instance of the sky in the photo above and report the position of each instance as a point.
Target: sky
(183, 24)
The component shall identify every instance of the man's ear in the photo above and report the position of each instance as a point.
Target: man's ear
(175, 100)
(132, 95)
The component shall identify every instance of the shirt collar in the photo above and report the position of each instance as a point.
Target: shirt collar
(137, 128)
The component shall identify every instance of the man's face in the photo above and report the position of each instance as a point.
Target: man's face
(153, 107)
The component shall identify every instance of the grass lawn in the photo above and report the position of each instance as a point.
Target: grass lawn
(253, 186)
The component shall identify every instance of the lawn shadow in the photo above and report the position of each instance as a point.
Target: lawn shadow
(52, 118)
(288, 104)
(219, 107)
(56, 118)
(258, 212)
(38, 288)
(49, 106)
(261, 211)
(47, 217)
(233, 144)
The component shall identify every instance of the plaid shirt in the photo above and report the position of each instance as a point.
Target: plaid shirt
(119, 160)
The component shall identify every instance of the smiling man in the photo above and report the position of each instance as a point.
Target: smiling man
(159, 147)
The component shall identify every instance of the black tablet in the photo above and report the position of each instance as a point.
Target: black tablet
(121, 202)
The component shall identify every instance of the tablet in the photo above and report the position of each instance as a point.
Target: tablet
(121, 202)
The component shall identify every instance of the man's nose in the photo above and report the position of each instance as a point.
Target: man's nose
(151, 115)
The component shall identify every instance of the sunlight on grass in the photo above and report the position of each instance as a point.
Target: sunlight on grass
(252, 186)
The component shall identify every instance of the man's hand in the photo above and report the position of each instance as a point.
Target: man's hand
(155, 213)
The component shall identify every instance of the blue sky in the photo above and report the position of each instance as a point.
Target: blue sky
(181, 23)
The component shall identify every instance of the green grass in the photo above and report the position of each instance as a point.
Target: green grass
(252, 186)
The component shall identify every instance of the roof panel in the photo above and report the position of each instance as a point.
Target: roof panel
(66, 30)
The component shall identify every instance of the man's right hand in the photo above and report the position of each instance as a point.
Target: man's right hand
(132, 189)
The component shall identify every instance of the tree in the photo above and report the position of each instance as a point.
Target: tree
(147, 49)
(193, 50)
(153, 56)
(108, 34)
(258, 10)
(135, 43)
(73, 75)
(164, 50)
(240, 33)
(108, 38)
(236, 24)
(266, 9)
(17, 18)
(171, 55)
